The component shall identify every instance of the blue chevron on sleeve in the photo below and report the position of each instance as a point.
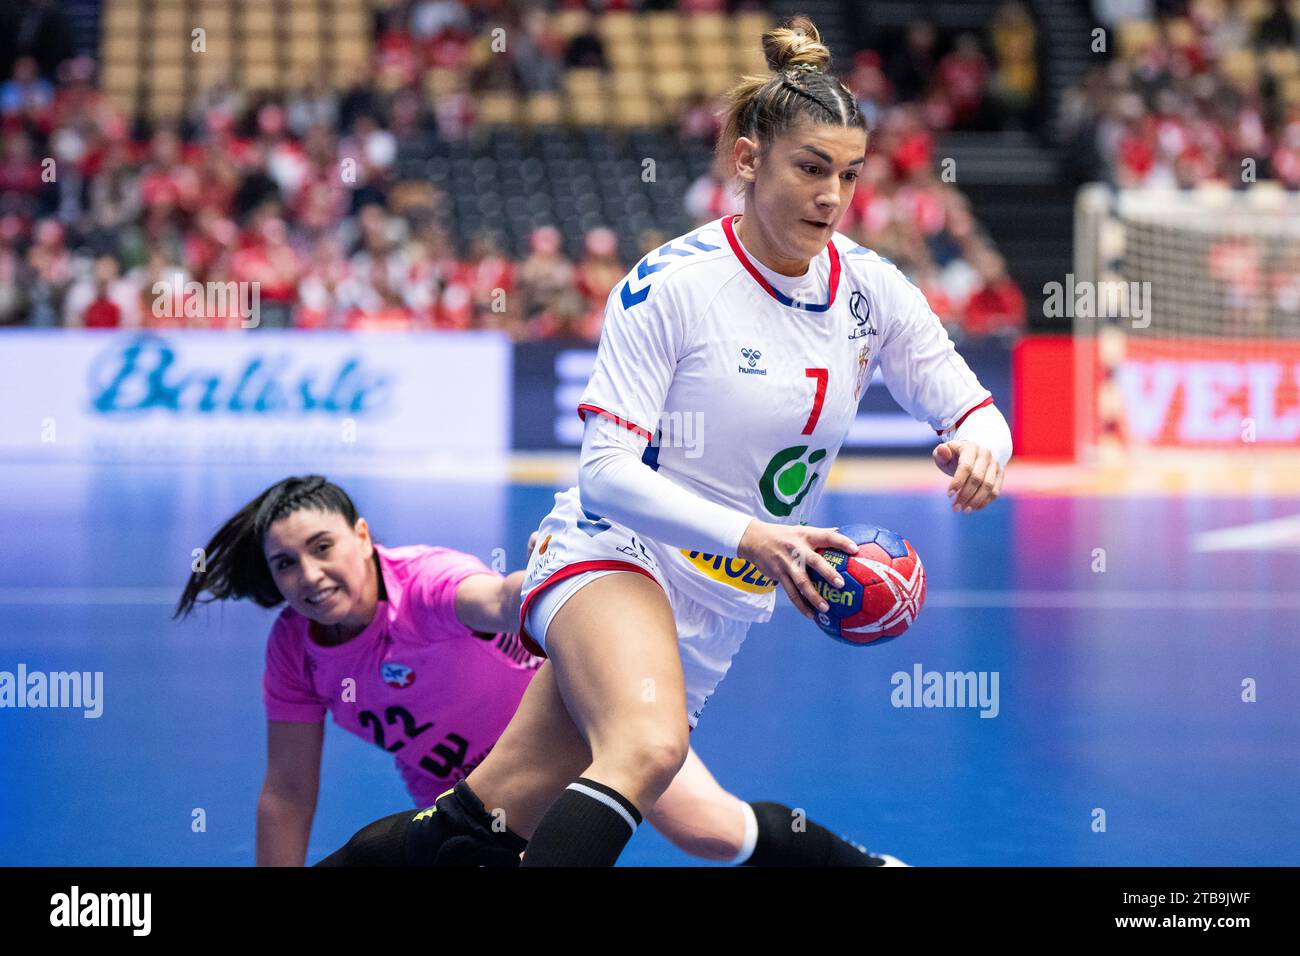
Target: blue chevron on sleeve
(644, 269)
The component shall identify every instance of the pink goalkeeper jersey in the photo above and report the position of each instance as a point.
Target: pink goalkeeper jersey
(416, 681)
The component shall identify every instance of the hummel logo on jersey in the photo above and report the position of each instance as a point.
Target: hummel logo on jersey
(751, 356)
(861, 310)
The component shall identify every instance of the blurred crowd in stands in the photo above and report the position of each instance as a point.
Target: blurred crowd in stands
(97, 209)
(1194, 90)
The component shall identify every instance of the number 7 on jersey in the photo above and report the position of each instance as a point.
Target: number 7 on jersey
(822, 375)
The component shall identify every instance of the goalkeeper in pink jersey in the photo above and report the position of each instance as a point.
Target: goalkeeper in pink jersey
(412, 648)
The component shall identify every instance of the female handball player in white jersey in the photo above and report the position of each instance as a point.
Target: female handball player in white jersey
(728, 373)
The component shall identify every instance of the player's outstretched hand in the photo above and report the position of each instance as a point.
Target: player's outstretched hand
(782, 552)
(976, 474)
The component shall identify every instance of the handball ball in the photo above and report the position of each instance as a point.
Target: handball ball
(884, 587)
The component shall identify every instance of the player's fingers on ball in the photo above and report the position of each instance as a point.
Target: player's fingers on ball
(809, 592)
(792, 593)
(827, 570)
(831, 538)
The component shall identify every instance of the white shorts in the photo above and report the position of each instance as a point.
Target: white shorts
(575, 548)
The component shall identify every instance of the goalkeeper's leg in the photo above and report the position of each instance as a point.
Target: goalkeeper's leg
(455, 831)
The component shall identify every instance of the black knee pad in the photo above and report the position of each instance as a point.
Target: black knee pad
(458, 831)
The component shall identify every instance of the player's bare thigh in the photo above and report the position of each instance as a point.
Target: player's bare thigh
(619, 670)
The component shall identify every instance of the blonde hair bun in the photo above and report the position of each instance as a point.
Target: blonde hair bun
(795, 45)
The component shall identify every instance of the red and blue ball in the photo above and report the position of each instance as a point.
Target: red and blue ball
(884, 587)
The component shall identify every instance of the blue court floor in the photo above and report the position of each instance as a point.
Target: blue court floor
(1120, 692)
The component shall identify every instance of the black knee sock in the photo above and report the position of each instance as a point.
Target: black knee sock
(787, 840)
(587, 825)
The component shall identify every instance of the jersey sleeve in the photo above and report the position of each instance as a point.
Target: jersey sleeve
(918, 362)
(432, 590)
(287, 690)
(639, 347)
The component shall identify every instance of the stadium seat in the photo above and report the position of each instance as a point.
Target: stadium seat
(120, 77)
(671, 87)
(707, 29)
(122, 16)
(1281, 63)
(584, 82)
(544, 109)
(498, 109)
(1135, 36)
(304, 22)
(567, 23)
(257, 20)
(165, 104)
(639, 110)
(588, 110)
(305, 50)
(259, 49)
(663, 27)
(122, 48)
(618, 26)
(1240, 65)
(263, 76)
(625, 54)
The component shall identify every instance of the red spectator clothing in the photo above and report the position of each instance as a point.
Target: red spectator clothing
(395, 53)
(596, 280)
(103, 313)
(914, 150)
(174, 186)
(485, 277)
(1136, 157)
(449, 50)
(23, 177)
(276, 271)
(388, 318)
(941, 304)
(322, 199)
(870, 211)
(1286, 166)
(964, 78)
(922, 206)
(454, 309)
(994, 307)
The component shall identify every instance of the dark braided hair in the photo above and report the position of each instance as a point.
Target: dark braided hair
(798, 88)
(235, 563)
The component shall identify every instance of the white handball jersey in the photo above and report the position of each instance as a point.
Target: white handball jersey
(746, 381)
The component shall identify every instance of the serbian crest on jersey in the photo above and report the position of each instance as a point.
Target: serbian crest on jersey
(396, 675)
(864, 362)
